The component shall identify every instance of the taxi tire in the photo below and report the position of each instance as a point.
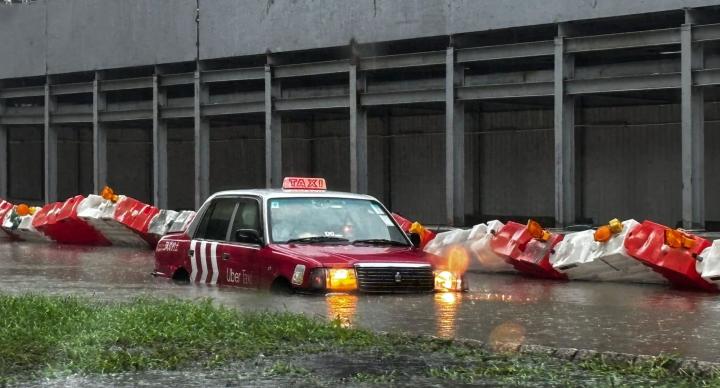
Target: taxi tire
(281, 286)
(181, 275)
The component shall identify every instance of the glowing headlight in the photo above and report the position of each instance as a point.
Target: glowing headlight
(448, 281)
(341, 279)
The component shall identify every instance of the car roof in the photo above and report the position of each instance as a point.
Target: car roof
(279, 193)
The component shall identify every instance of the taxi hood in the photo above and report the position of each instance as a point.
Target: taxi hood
(344, 255)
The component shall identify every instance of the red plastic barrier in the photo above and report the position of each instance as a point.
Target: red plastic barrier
(528, 255)
(60, 222)
(647, 244)
(5, 208)
(137, 216)
(407, 226)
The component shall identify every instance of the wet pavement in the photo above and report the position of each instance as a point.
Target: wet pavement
(644, 319)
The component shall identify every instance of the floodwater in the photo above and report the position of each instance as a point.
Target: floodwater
(640, 319)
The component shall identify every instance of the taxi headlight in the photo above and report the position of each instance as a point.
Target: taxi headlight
(341, 279)
(448, 281)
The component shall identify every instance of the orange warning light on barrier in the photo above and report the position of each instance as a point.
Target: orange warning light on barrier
(605, 232)
(675, 238)
(22, 210)
(108, 194)
(537, 231)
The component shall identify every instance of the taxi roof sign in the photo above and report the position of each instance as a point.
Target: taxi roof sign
(304, 184)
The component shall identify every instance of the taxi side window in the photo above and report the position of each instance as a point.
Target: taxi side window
(215, 223)
(246, 217)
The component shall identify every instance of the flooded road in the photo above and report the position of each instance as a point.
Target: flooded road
(643, 319)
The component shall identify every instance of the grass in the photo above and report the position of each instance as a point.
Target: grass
(44, 336)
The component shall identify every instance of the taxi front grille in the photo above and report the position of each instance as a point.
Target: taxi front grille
(395, 279)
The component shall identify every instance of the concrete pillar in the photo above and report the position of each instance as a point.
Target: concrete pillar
(4, 157)
(202, 143)
(160, 175)
(693, 131)
(564, 115)
(454, 143)
(358, 134)
(50, 142)
(99, 137)
(273, 133)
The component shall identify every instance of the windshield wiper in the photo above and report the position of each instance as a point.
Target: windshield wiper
(316, 239)
(379, 241)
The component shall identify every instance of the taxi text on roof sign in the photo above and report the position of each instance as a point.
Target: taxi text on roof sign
(309, 184)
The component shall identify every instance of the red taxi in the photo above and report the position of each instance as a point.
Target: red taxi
(301, 238)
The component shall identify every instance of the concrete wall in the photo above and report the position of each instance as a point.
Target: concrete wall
(81, 35)
(22, 40)
(25, 164)
(129, 161)
(229, 29)
(75, 161)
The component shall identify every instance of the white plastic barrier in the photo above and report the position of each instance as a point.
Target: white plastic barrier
(477, 243)
(100, 213)
(21, 228)
(708, 264)
(580, 257)
(182, 221)
(162, 222)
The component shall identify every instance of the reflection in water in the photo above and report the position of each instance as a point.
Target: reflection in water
(341, 308)
(446, 307)
(508, 333)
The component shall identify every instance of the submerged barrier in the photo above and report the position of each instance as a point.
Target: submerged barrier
(625, 251)
(106, 219)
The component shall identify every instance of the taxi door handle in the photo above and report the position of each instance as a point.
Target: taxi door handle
(225, 256)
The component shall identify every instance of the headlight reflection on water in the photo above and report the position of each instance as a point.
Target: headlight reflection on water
(446, 308)
(342, 308)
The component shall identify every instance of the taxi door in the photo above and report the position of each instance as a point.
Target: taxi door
(239, 254)
(207, 243)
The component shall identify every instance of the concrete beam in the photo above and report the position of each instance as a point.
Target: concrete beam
(564, 114)
(454, 142)
(314, 68)
(311, 103)
(202, 143)
(50, 143)
(693, 130)
(507, 51)
(622, 40)
(402, 97)
(273, 132)
(126, 84)
(160, 159)
(99, 137)
(73, 88)
(358, 133)
(28, 91)
(429, 58)
(623, 84)
(229, 75)
(503, 91)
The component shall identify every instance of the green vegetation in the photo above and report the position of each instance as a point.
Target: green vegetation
(44, 336)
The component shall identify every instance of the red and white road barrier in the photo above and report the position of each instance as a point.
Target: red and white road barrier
(708, 263)
(5, 208)
(60, 222)
(527, 248)
(476, 242)
(124, 222)
(20, 227)
(581, 257)
(672, 253)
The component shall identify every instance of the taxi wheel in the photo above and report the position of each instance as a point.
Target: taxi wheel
(181, 276)
(281, 286)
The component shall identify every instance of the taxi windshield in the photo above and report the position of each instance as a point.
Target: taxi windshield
(342, 220)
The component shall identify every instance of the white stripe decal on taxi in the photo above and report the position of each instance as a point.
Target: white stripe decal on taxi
(213, 258)
(193, 274)
(203, 262)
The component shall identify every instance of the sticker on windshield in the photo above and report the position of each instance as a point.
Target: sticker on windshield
(377, 209)
(386, 220)
(275, 205)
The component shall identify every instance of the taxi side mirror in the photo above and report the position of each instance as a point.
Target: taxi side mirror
(415, 239)
(248, 236)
